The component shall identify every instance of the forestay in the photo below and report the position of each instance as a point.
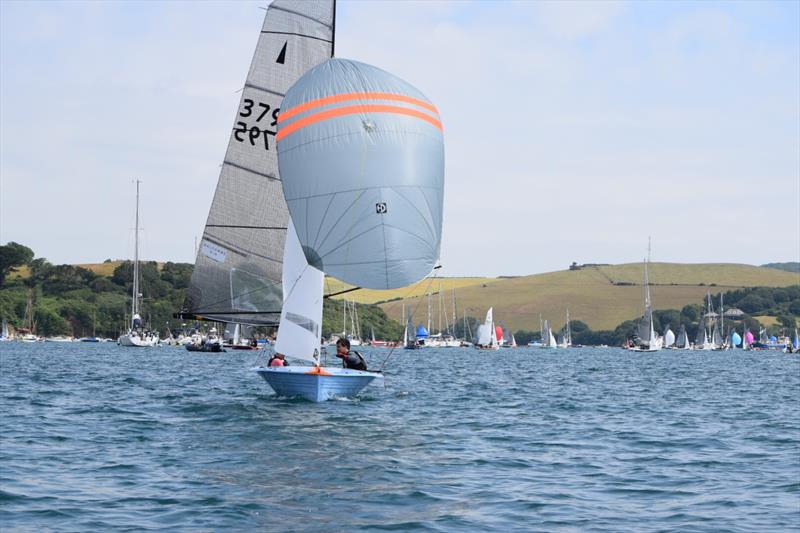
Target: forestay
(362, 157)
(238, 267)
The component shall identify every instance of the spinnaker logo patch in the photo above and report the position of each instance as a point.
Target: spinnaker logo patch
(214, 252)
(380, 208)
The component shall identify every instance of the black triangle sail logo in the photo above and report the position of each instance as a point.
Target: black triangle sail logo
(282, 55)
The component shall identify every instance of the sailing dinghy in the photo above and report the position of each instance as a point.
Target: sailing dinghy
(487, 334)
(683, 340)
(361, 160)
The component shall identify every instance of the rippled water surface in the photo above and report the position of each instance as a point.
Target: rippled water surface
(98, 437)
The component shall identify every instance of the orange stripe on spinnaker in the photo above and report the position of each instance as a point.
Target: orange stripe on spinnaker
(353, 110)
(336, 98)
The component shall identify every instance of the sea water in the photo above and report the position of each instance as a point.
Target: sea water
(101, 437)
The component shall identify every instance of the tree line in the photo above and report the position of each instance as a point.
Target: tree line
(71, 300)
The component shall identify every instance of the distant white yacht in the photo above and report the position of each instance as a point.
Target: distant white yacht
(137, 336)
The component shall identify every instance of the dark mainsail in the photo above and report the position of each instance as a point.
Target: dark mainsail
(237, 272)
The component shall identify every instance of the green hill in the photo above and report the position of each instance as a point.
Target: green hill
(601, 296)
(788, 267)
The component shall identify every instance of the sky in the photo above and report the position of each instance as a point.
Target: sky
(573, 130)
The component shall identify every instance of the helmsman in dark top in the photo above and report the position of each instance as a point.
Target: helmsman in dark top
(352, 360)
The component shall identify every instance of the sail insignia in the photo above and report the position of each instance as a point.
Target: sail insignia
(282, 55)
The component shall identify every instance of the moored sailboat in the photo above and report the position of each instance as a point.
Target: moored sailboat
(409, 334)
(5, 335)
(565, 340)
(548, 340)
(682, 342)
(646, 338)
(138, 336)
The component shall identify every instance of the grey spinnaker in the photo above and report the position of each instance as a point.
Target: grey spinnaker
(361, 153)
(237, 273)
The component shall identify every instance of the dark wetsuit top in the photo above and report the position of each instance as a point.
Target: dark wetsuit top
(354, 360)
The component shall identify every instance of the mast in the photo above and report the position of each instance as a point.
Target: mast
(356, 323)
(29, 312)
(333, 29)
(405, 331)
(721, 315)
(541, 329)
(429, 313)
(454, 312)
(135, 303)
(648, 310)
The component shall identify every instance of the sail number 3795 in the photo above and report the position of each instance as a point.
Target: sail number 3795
(256, 110)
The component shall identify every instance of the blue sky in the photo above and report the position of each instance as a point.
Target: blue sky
(573, 130)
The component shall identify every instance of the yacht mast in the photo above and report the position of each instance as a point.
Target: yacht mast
(135, 303)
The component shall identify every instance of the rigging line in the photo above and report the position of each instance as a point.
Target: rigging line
(252, 171)
(225, 312)
(322, 220)
(244, 227)
(354, 237)
(345, 291)
(249, 85)
(364, 187)
(353, 222)
(419, 302)
(421, 214)
(296, 35)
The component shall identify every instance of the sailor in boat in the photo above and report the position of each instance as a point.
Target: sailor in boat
(353, 360)
(277, 360)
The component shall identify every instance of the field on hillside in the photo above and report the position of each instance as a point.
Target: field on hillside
(369, 296)
(101, 269)
(769, 321)
(718, 274)
(594, 294)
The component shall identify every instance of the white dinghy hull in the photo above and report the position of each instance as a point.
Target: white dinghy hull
(317, 385)
(137, 341)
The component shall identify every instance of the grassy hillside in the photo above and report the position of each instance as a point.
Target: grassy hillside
(368, 296)
(600, 296)
(789, 267)
(101, 269)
